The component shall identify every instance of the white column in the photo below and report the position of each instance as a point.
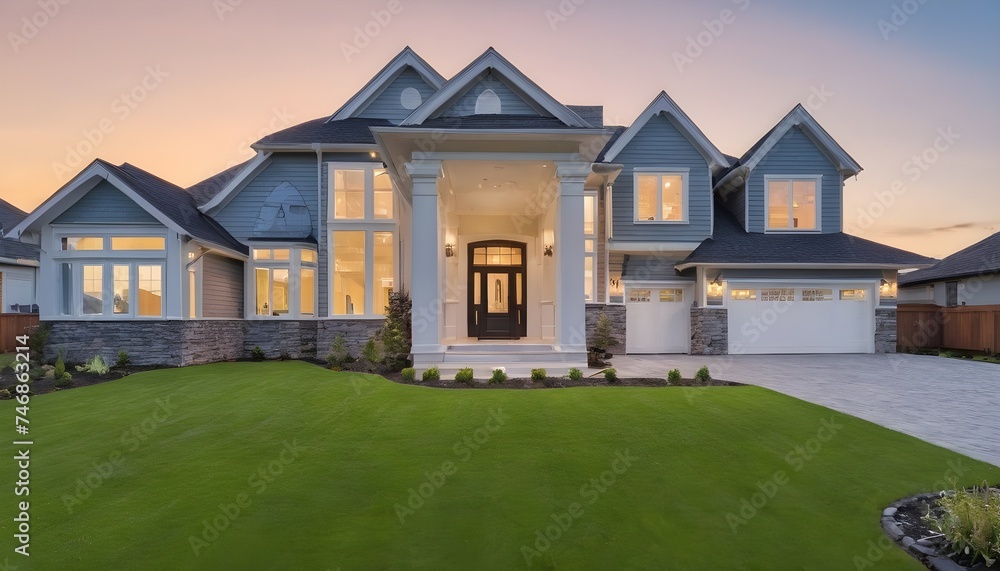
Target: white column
(571, 331)
(425, 288)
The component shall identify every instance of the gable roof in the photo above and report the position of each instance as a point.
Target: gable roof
(731, 245)
(979, 259)
(663, 104)
(16, 251)
(491, 60)
(170, 204)
(494, 122)
(207, 189)
(405, 59)
(797, 117)
(10, 216)
(354, 131)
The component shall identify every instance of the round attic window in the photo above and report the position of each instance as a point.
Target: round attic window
(410, 98)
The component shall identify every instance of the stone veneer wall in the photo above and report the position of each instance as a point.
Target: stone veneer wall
(885, 330)
(182, 343)
(616, 313)
(709, 331)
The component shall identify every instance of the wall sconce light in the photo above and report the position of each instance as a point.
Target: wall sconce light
(887, 288)
(548, 239)
(449, 251)
(548, 250)
(715, 287)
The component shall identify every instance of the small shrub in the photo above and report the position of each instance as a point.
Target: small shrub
(5, 394)
(575, 374)
(498, 377)
(971, 523)
(538, 375)
(38, 340)
(60, 369)
(257, 354)
(464, 376)
(123, 359)
(431, 375)
(409, 374)
(338, 351)
(611, 375)
(65, 381)
(372, 351)
(604, 339)
(674, 376)
(703, 376)
(95, 365)
(284, 356)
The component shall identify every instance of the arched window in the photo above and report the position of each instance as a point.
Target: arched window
(488, 103)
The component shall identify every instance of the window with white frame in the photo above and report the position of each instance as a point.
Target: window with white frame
(110, 276)
(590, 247)
(661, 196)
(284, 281)
(793, 203)
(362, 239)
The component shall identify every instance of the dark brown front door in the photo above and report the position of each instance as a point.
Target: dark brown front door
(497, 290)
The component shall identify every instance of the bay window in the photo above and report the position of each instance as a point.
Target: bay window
(792, 203)
(284, 281)
(661, 196)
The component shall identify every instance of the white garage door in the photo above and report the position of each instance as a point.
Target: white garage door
(658, 318)
(800, 318)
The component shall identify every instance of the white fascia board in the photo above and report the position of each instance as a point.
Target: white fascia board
(664, 104)
(491, 59)
(833, 266)
(406, 58)
(651, 247)
(799, 117)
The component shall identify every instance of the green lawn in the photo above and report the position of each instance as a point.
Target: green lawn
(119, 481)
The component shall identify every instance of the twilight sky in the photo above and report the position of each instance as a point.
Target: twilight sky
(182, 88)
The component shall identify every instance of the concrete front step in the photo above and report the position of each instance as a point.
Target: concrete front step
(502, 348)
(520, 370)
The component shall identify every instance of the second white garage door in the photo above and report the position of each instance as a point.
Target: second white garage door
(658, 318)
(800, 318)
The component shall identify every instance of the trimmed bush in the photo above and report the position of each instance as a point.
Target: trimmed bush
(431, 375)
(257, 354)
(575, 374)
(538, 375)
(674, 376)
(464, 376)
(409, 374)
(703, 376)
(499, 376)
(611, 375)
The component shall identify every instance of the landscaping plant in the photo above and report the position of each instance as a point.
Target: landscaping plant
(674, 376)
(499, 376)
(62, 377)
(971, 523)
(95, 365)
(575, 374)
(257, 354)
(409, 374)
(703, 376)
(464, 376)
(603, 341)
(538, 375)
(432, 374)
(611, 375)
(123, 359)
(338, 351)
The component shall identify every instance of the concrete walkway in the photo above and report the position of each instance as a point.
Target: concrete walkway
(949, 402)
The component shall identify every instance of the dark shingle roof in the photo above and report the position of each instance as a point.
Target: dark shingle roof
(175, 203)
(204, 191)
(494, 122)
(979, 259)
(10, 215)
(592, 114)
(615, 135)
(731, 245)
(354, 130)
(648, 267)
(17, 250)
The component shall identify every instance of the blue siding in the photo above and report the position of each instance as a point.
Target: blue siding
(737, 203)
(660, 144)
(221, 288)
(795, 153)
(105, 204)
(510, 103)
(388, 106)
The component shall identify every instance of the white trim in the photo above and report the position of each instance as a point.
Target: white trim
(594, 278)
(660, 173)
(294, 265)
(791, 178)
(490, 156)
(252, 169)
(492, 60)
(646, 247)
(799, 117)
(664, 104)
(793, 266)
(406, 58)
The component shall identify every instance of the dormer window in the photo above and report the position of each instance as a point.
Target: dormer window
(793, 203)
(488, 103)
(661, 196)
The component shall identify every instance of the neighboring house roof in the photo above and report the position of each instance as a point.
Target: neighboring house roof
(731, 245)
(11, 249)
(979, 259)
(356, 130)
(797, 117)
(10, 216)
(405, 59)
(664, 105)
(492, 61)
(207, 189)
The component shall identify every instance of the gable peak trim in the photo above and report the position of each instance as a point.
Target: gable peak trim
(375, 86)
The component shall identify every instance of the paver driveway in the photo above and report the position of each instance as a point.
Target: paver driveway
(948, 402)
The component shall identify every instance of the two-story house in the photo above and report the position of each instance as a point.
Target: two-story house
(511, 218)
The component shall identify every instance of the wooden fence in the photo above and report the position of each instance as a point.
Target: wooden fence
(11, 326)
(969, 328)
